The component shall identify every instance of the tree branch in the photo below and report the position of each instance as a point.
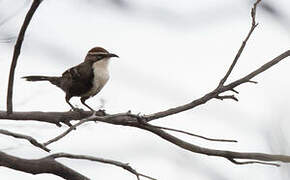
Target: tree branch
(216, 92)
(66, 117)
(48, 164)
(254, 25)
(39, 166)
(102, 160)
(191, 134)
(218, 153)
(33, 141)
(93, 117)
(73, 127)
(128, 120)
(17, 49)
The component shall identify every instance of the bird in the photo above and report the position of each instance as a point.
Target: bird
(84, 80)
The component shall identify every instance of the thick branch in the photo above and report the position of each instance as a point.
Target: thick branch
(39, 166)
(17, 49)
(51, 117)
(128, 120)
(50, 165)
(33, 141)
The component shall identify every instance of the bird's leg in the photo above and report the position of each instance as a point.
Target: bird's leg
(83, 99)
(67, 98)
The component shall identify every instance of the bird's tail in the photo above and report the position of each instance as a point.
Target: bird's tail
(37, 78)
(51, 79)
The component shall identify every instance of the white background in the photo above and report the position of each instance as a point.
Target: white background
(171, 52)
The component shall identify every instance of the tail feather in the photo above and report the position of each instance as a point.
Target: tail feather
(37, 78)
(53, 80)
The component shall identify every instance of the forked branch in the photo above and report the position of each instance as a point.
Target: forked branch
(48, 164)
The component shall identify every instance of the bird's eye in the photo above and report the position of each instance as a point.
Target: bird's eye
(99, 56)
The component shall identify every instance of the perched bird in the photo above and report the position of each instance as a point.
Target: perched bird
(84, 80)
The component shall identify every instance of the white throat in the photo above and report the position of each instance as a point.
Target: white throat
(103, 64)
(101, 76)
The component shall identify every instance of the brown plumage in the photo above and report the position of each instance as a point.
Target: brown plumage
(84, 80)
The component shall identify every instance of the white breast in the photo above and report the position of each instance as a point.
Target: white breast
(101, 77)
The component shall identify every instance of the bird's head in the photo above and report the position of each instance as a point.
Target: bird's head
(99, 54)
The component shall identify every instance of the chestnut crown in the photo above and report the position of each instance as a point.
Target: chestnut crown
(99, 53)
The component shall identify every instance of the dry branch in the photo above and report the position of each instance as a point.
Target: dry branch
(101, 160)
(16, 53)
(191, 134)
(33, 141)
(48, 164)
(213, 94)
(104, 118)
(254, 25)
(39, 166)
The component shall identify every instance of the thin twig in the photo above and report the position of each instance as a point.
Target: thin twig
(216, 92)
(73, 127)
(125, 166)
(254, 25)
(93, 117)
(252, 162)
(191, 134)
(17, 49)
(33, 141)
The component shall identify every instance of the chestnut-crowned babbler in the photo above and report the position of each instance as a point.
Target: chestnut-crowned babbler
(84, 80)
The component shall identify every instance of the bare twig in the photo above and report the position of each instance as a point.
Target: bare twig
(252, 162)
(254, 25)
(216, 92)
(103, 119)
(73, 127)
(33, 141)
(17, 49)
(191, 134)
(125, 166)
(49, 165)
(93, 117)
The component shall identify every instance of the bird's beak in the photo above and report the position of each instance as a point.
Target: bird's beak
(112, 55)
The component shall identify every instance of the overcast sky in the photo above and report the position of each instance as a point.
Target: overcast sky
(170, 54)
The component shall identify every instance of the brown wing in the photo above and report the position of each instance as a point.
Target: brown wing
(78, 79)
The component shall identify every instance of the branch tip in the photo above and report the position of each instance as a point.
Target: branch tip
(252, 162)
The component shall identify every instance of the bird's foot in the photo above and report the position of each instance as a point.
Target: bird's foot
(77, 110)
(141, 119)
(102, 112)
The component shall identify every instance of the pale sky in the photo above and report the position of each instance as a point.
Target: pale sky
(170, 54)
